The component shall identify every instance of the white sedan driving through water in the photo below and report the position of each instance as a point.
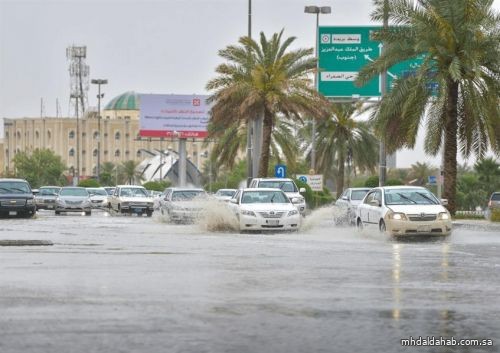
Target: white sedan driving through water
(265, 209)
(403, 210)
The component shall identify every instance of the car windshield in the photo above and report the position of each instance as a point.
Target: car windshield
(14, 187)
(495, 197)
(229, 193)
(134, 192)
(110, 191)
(286, 186)
(264, 197)
(187, 195)
(73, 192)
(48, 191)
(99, 192)
(358, 194)
(410, 197)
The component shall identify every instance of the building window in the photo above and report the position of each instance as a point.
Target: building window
(18, 151)
(94, 170)
(84, 134)
(71, 152)
(127, 135)
(105, 151)
(117, 153)
(7, 134)
(117, 135)
(94, 153)
(18, 135)
(105, 135)
(138, 153)
(83, 170)
(127, 152)
(127, 117)
(7, 152)
(49, 135)
(107, 117)
(37, 134)
(71, 134)
(95, 135)
(83, 151)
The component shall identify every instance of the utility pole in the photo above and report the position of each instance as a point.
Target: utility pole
(249, 120)
(99, 82)
(383, 81)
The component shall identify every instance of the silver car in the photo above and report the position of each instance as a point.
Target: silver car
(46, 197)
(347, 204)
(182, 204)
(98, 197)
(73, 199)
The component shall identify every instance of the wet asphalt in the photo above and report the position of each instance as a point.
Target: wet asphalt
(136, 284)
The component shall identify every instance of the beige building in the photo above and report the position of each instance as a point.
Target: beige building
(120, 138)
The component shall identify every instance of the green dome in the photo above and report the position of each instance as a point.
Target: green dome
(125, 101)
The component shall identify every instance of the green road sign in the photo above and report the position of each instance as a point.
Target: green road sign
(343, 51)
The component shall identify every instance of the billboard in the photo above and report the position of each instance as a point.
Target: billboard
(173, 115)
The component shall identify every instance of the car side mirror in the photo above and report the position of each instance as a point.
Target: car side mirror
(345, 198)
(444, 202)
(233, 201)
(302, 190)
(375, 203)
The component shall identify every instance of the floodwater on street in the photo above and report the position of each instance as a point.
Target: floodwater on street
(136, 284)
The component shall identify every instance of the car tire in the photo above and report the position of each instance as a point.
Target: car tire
(381, 227)
(57, 213)
(359, 224)
(88, 213)
(149, 213)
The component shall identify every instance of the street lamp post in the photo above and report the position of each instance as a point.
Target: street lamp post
(316, 10)
(99, 82)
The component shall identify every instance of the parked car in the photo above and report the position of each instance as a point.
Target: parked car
(109, 189)
(347, 204)
(494, 202)
(265, 209)
(287, 186)
(73, 199)
(403, 210)
(16, 198)
(225, 194)
(182, 204)
(131, 199)
(46, 197)
(98, 197)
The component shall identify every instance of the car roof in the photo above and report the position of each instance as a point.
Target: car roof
(262, 189)
(360, 188)
(13, 179)
(398, 187)
(130, 186)
(49, 187)
(186, 189)
(273, 179)
(227, 189)
(74, 187)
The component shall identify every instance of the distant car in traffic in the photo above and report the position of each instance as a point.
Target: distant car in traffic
(182, 204)
(403, 210)
(494, 202)
(98, 197)
(347, 204)
(46, 197)
(131, 199)
(16, 198)
(288, 186)
(265, 209)
(225, 194)
(73, 199)
(109, 189)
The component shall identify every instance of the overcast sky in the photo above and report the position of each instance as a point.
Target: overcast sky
(155, 46)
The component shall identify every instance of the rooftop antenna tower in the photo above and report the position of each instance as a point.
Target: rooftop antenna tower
(79, 77)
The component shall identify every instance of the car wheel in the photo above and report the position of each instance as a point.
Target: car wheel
(149, 213)
(88, 213)
(382, 227)
(57, 213)
(359, 224)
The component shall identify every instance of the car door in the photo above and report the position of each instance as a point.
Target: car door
(114, 199)
(375, 211)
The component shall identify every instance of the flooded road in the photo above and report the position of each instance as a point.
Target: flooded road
(138, 284)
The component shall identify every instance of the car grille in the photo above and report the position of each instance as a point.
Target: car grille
(13, 202)
(272, 214)
(49, 201)
(422, 217)
(138, 204)
(96, 201)
(73, 202)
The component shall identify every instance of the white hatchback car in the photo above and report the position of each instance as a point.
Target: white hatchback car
(403, 210)
(265, 209)
(131, 199)
(347, 204)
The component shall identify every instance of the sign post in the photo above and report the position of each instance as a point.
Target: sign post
(280, 171)
(314, 181)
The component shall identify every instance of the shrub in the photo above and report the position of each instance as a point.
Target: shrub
(394, 182)
(495, 215)
(157, 185)
(89, 183)
(372, 182)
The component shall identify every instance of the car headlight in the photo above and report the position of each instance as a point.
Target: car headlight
(60, 201)
(443, 216)
(398, 216)
(292, 213)
(297, 199)
(86, 203)
(29, 201)
(248, 213)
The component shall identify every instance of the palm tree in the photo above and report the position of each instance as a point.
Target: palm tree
(264, 79)
(459, 41)
(129, 172)
(107, 171)
(488, 171)
(421, 172)
(341, 139)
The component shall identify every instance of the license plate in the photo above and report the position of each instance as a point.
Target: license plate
(272, 222)
(137, 210)
(12, 213)
(50, 206)
(423, 229)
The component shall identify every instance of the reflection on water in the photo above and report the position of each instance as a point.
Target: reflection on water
(396, 280)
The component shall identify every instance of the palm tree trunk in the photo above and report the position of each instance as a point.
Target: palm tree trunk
(340, 174)
(266, 144)
(450, 147)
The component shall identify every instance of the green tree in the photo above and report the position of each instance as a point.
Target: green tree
(470, 193)
(107, 174)
(488, 171)
(40, 168)
(89, 183)
(265, 79)
(459, 41)
(157, 185)
(421, 172)
(341, 139)
(129, 173)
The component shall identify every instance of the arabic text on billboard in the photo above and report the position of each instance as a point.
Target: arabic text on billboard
(169, 115)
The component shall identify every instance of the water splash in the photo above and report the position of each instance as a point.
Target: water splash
(216, 216)
(319, 216)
